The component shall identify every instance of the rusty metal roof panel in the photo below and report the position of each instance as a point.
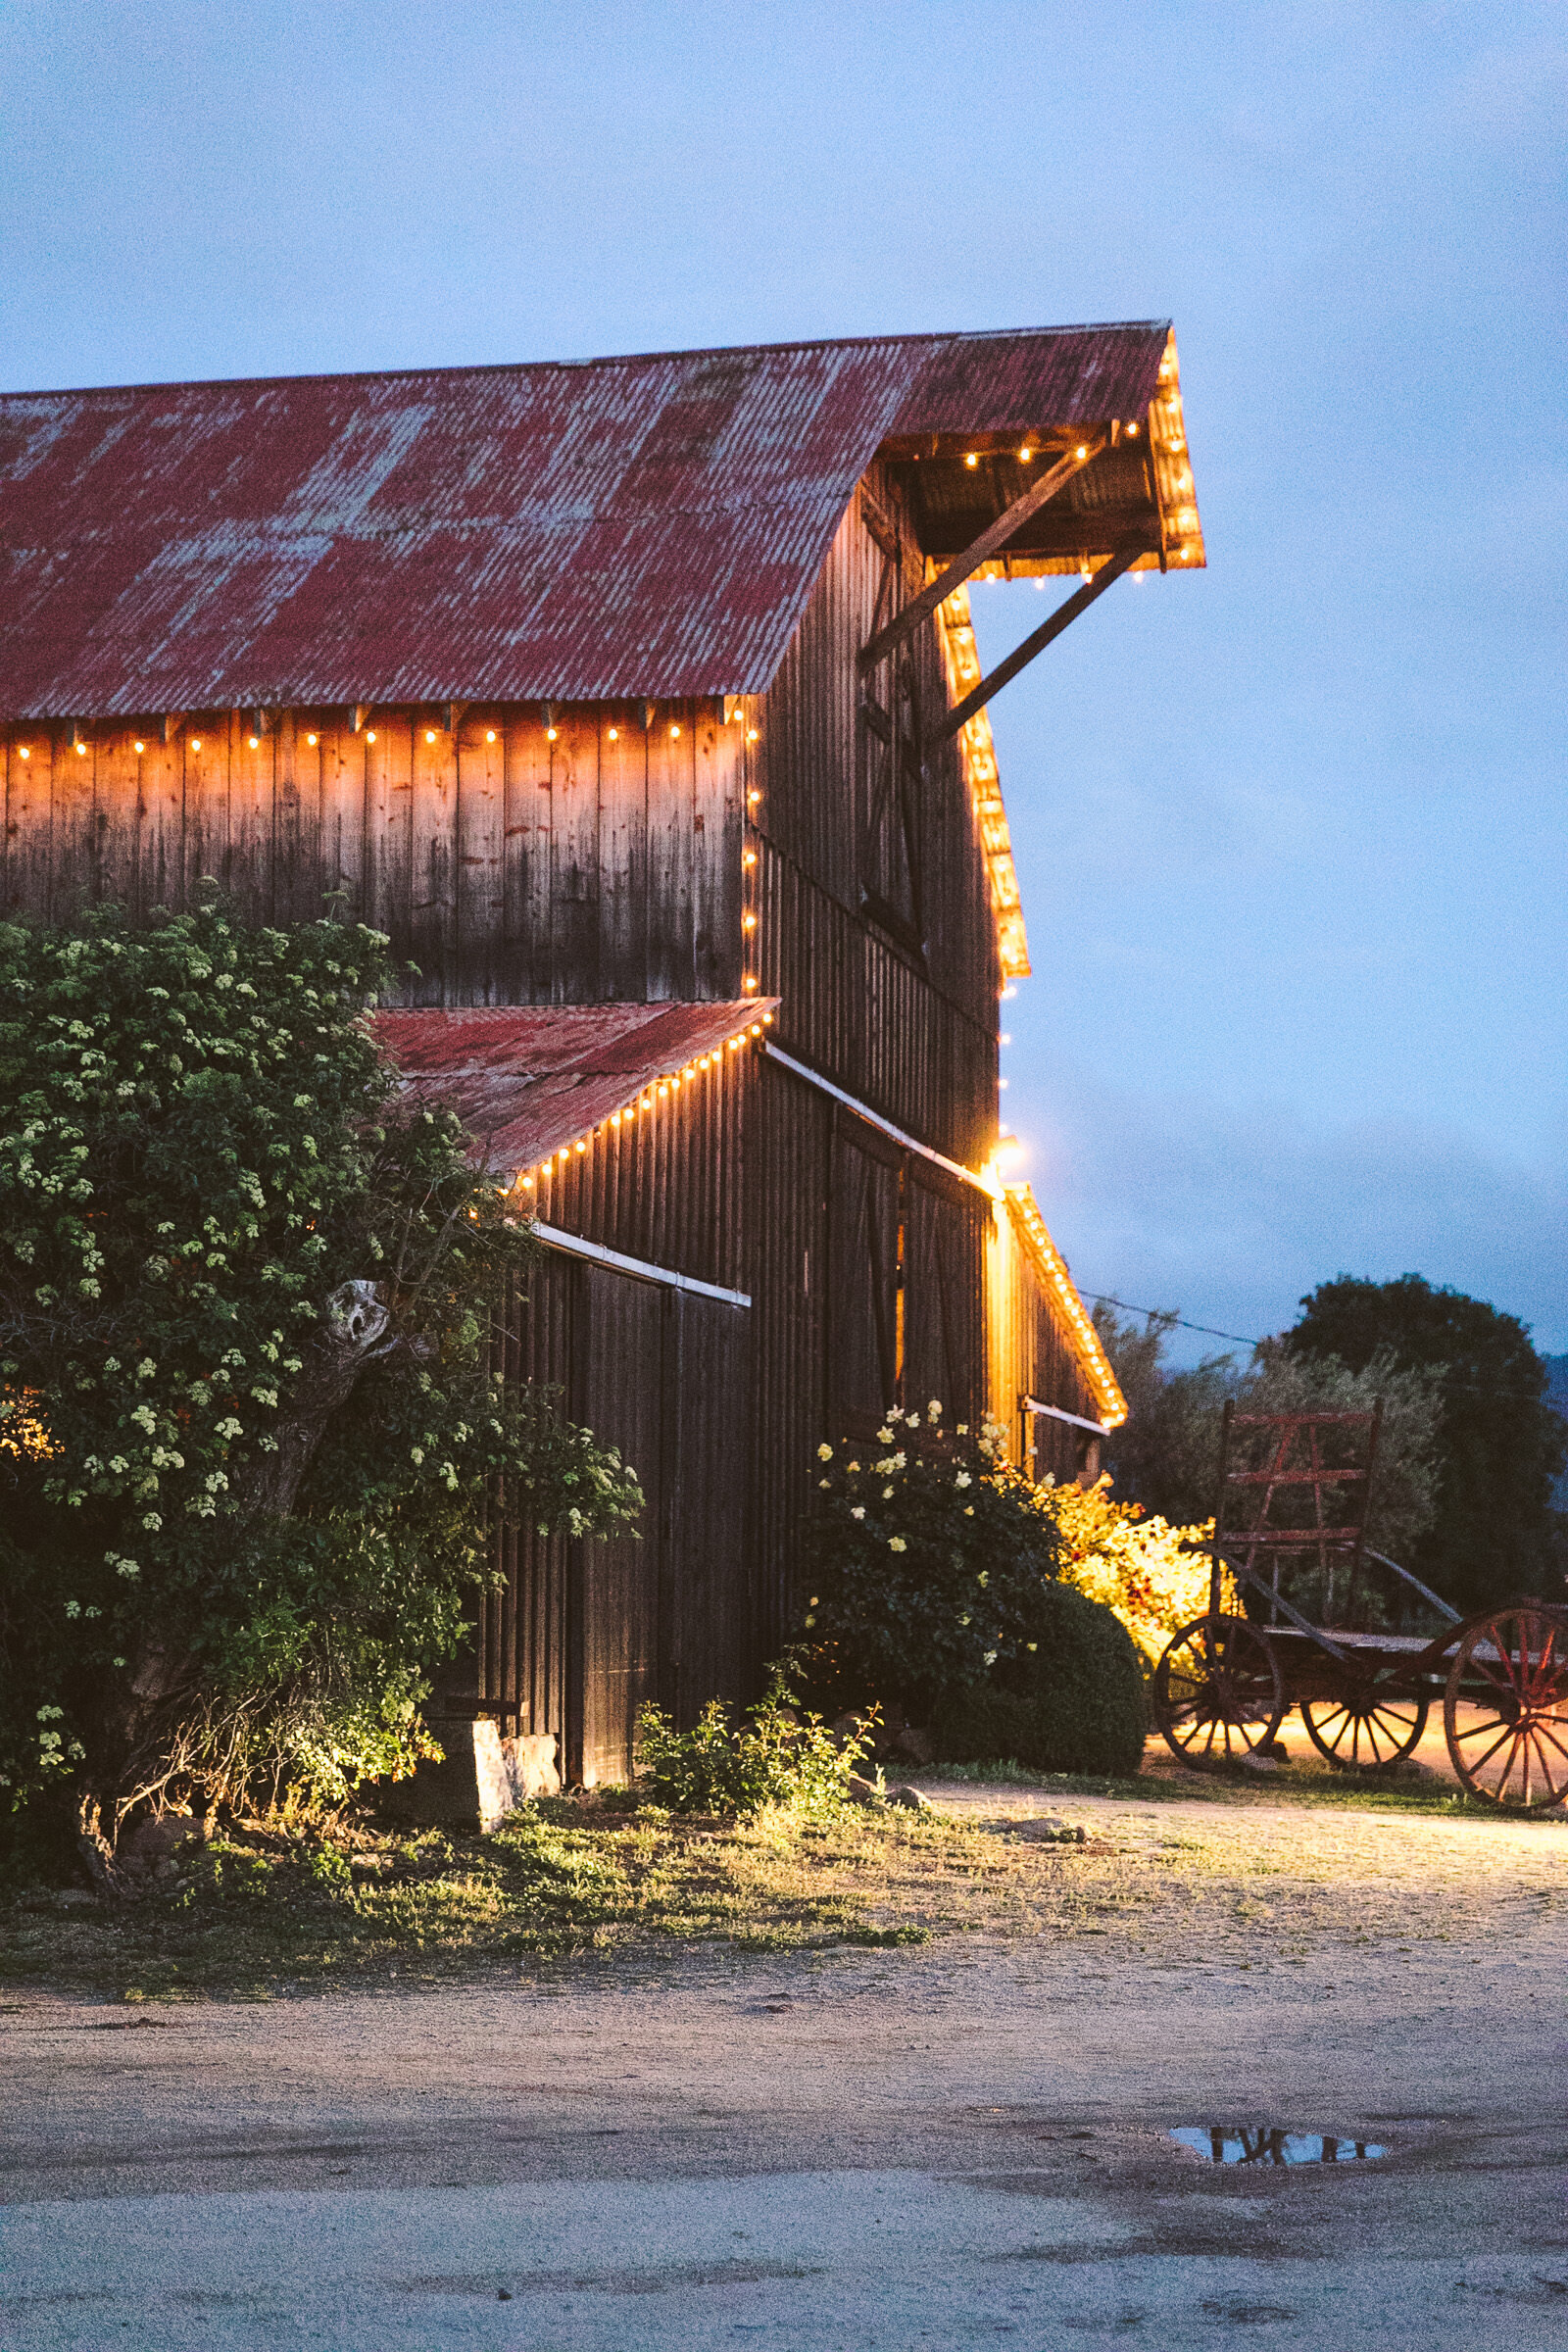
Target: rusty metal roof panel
(587, 531)
(530, 1080)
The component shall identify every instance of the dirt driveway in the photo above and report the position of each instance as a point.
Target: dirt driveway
(962, 2144)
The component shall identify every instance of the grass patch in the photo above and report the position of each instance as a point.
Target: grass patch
(1305, 1783)
(264, 1906)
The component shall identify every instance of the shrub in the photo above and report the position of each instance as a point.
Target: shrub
(1072, 1702)
(250, 1437)
(1154, 1576)
(774, 1757)
(926, 1563)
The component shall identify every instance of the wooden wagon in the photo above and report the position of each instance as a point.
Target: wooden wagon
(1302, 1614)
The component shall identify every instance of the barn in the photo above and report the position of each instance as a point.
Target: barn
(637, 701)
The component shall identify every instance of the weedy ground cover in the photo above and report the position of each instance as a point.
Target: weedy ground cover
(1251, 1875)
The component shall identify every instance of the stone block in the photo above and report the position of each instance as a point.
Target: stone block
(480, 1779)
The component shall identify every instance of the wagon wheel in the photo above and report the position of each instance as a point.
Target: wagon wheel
(1514, 1668)
(1363, 1732)
(1218, 1680)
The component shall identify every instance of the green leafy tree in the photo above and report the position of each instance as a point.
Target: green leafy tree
(1165, 1456)
(1493, 1532)
(250, 1437)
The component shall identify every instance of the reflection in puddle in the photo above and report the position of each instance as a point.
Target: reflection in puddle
(1274, 2147)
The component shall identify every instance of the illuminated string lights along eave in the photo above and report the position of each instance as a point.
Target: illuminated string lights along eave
(1053, 1268)
(978, 754)
(645, 1100)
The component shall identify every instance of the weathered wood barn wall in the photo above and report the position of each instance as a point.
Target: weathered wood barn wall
(623, 695)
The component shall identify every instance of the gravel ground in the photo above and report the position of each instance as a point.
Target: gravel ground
(966, 2143)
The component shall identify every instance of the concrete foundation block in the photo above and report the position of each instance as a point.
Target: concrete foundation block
(480, 1779)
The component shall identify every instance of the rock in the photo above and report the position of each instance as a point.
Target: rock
(910, 1800)
(73, 1898)
(914, 1747)
(861, 1791)
(1048, 1828)
(1259, 1763)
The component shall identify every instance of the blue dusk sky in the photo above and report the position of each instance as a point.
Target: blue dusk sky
(1292, 833)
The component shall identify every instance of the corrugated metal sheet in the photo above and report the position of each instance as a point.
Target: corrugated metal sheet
(613, 528)
(532, 1080)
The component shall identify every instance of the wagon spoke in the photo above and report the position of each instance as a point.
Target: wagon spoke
(1474, 1731)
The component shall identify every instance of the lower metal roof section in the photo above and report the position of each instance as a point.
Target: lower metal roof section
(530, 1080)
(574, 1245)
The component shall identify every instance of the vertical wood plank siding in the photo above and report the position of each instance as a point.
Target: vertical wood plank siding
(917, 1043)
(514, 870)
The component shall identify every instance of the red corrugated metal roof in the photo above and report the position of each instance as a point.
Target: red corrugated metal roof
(528, 1079)
(600, 529)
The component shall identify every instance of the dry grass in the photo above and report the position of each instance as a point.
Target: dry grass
(1238, 1883)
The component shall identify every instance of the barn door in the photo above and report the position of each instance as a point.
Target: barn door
(614, 1615)
(889, 753)
(944, 1300)
(706, 1601)
(863, 1273)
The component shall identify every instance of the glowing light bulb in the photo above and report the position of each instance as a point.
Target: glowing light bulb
(1081, 451)
(195, 743)
(674, 730)
(82, 751)
(489, 734)
(747, 922)
(753, 798)
(310, 739)
(971, 459)
(551, 734)
(255, 742)
(1025, 456)
(369, 734)
(614, 1118)
(429, 734)
(614, 734)
(139, 744)
(747, 857)
(750, 980)
(528, 1182)
(751, 737)
(1132, 432)
(582, 1146)
(24, 751)
(767, 1019)
(756, 1029)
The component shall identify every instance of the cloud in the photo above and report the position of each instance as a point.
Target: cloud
(1229, 1211)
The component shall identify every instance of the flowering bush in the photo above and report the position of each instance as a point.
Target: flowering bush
(249, 1435)
(1154, 1576)
(924, 1564)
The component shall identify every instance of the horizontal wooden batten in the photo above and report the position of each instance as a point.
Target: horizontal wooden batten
(873, 1118)
(1031, 1404)
(619, 1264)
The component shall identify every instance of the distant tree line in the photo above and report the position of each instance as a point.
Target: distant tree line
(1471, 1446)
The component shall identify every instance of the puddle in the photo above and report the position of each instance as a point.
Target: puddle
(1274, 2147)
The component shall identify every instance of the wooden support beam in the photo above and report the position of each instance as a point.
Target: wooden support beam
(959, 717)
(957, 571)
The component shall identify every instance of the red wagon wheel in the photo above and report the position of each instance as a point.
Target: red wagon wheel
(1364, 1732)
(1513, 1668)
(1218, 1692)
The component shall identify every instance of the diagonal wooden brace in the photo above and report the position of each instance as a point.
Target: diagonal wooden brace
(957, 571)
(940, 730)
